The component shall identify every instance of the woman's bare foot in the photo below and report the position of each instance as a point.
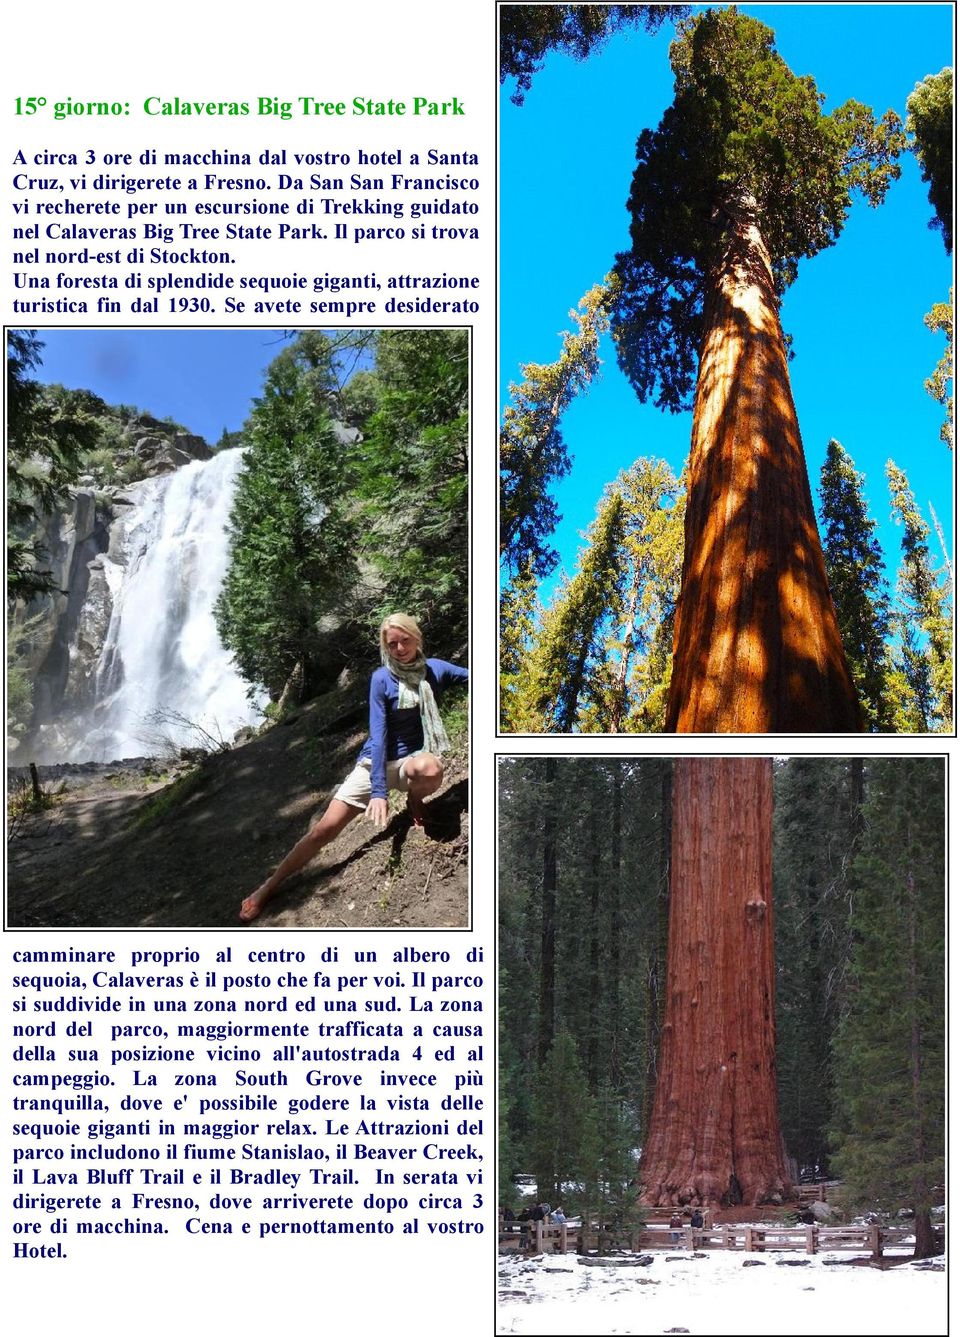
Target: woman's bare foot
(251, 907)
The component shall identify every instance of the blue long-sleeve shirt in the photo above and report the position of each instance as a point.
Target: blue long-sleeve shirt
(396, 733)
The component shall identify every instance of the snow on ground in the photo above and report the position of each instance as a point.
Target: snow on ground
(556, 1295)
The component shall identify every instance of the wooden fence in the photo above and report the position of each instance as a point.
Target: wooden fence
(827, 1191)
(536, 1237)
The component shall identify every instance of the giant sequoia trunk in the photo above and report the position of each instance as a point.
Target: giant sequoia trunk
(714, 1133)
(756, 642)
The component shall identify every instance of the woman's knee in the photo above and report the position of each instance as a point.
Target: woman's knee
(424, 769)
(336, 816)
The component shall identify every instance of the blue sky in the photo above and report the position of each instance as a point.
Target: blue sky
(861, 350)
(204, 379)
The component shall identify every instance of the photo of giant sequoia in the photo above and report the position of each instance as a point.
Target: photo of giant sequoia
(237, 573)
(720, 327)
(721, 993)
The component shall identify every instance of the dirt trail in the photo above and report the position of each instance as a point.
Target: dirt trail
(106, 855)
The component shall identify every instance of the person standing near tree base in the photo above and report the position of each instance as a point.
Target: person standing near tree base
(402, 752)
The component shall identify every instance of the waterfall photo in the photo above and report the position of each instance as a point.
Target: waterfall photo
(237, 620)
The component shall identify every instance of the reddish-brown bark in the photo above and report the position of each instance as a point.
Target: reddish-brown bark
(756, 642)
(714, 1132)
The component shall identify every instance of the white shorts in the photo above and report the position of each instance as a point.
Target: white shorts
(357, 789)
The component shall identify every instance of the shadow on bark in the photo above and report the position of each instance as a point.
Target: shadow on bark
(756, 643)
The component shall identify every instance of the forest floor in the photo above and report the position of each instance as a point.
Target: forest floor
(133, 845)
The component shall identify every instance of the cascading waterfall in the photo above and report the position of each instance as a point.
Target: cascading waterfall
(163, 673)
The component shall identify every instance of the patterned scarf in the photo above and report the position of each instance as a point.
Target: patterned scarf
(413, 689)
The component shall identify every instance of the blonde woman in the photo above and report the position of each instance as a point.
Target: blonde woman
(403, 750)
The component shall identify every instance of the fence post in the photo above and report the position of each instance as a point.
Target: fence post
(748, 1240)
(538, 1238)
(811, 1232)
(875, 1241)
(563, 1237)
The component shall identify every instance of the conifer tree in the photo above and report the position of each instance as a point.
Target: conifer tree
(714, 1132)
(590, 978)
(854, 562)
(569, 644)
(292, 545)
(520, 785)
(48, 434)
(889, 1050)
(626, 691)
(610, 1193)
(412, 476)
(743, 177)
(922, 616)
(930, 121)
(529, 32)
(518, 608)
(533, 454)
(816, 829)
(563, 1141)
(510, 1150)
(940, 317)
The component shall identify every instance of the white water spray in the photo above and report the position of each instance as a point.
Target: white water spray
(162, 667)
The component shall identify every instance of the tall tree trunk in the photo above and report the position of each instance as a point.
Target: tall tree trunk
(593, 931)
(620, 690)
(616, 926)
(715, 1131)
(656, 959)
(548, 917)
(756, 641)
(569, 696)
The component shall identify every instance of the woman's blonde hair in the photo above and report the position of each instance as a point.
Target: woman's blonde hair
(403, 623)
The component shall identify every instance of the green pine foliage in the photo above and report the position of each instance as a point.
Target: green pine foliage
(528, 33)
(518, 614)
(532, 451)
(19, 699)
(49, 433)
(569, 645)
(741, 123)
(564, 1146)
(412, 476)
(510, 1096)
(813, 928)
(930, 121)
(329, 533)
(627, 693)
(597, 659)
(940, 318)
(609, 852)
(292, 541)
(229, 440)
(609, 1192)
(854, 563)
(922, 618)
(889, 1055)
